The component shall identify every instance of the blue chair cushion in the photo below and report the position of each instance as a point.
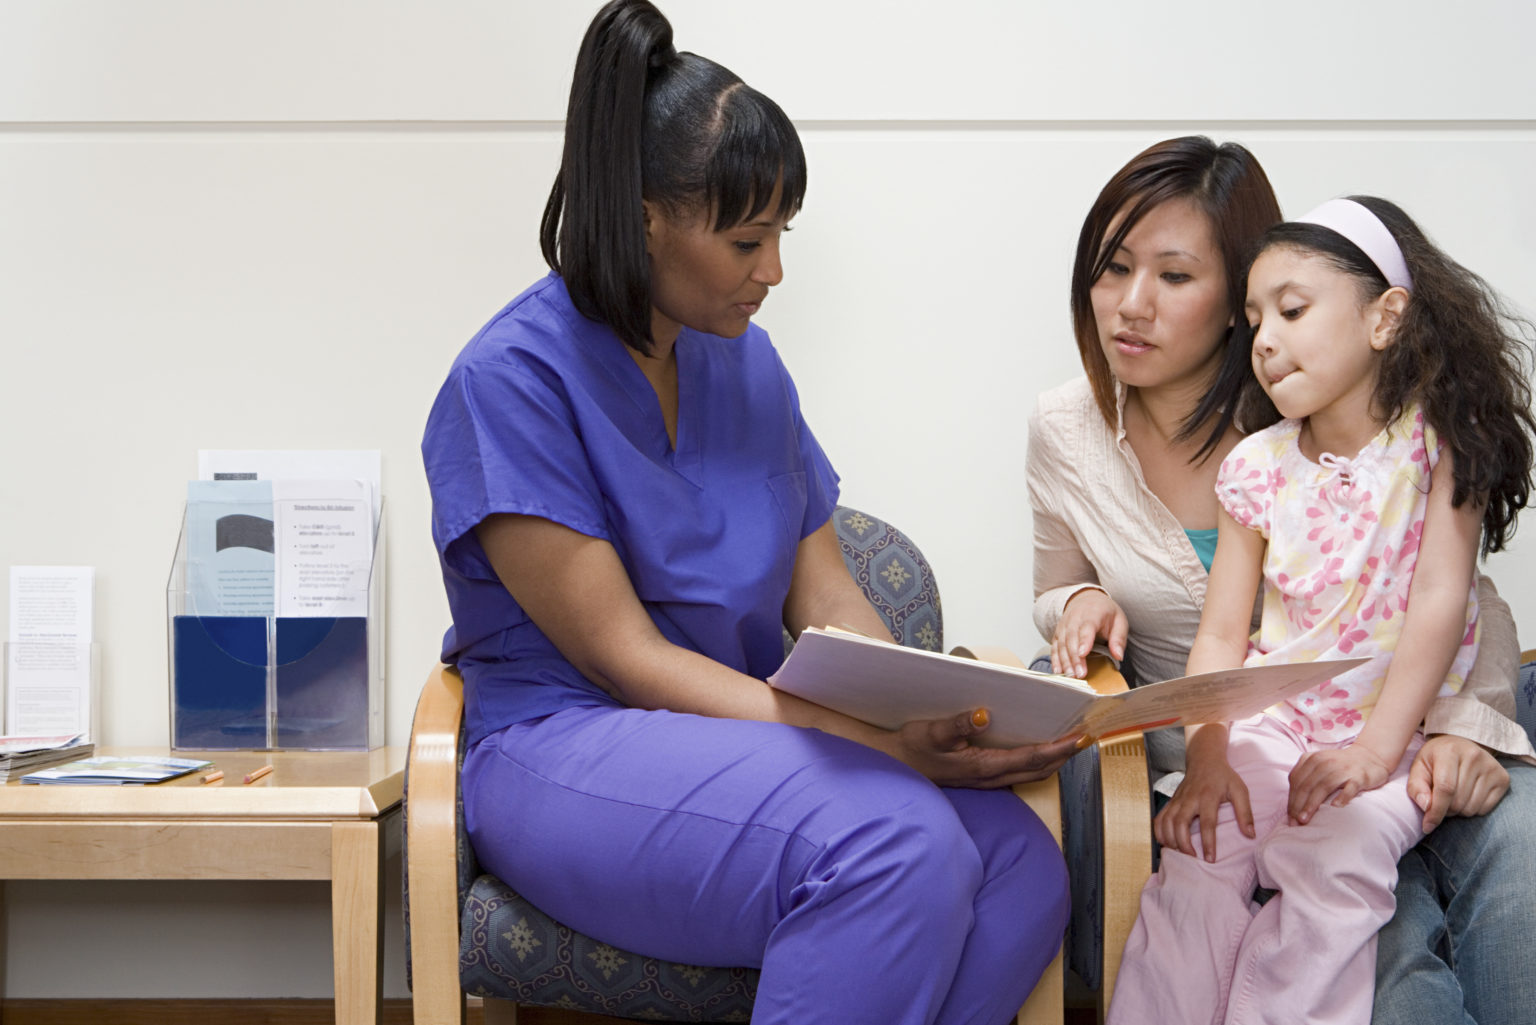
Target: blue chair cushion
(510, 949)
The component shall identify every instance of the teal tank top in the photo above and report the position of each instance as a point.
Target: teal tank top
(1204, 542)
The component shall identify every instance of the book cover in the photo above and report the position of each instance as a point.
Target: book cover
(887, 685)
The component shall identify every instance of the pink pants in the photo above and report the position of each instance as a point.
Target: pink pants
(1203, 952)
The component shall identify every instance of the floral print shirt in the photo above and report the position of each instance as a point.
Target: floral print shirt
(1343, 537)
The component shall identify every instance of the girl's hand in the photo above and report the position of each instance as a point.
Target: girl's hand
(943, 750)
(1090, 614)
(1347, 770)
(1209, 782)
(1454, 776)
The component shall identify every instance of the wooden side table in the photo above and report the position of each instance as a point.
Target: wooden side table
(317, 815)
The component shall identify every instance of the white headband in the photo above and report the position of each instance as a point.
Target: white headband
(1365, 230)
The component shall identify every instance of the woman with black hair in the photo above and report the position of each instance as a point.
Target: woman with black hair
(629, 508)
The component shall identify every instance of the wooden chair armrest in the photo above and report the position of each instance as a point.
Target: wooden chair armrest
(431, 829)
(997, 654)
(1127, 828)
(1103, 677)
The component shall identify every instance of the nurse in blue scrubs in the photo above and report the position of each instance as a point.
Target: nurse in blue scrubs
(629, 508)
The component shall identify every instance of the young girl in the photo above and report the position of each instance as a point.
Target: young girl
(1406, 447)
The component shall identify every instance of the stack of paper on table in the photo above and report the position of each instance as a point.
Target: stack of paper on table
(888, 685)
(20, 754)
(130, 769)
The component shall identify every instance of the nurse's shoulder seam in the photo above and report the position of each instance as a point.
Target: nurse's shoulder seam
(528, 329)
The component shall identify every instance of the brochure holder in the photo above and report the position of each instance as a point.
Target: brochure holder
(276, 682)
(53, 689)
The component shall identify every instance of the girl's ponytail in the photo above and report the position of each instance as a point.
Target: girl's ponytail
(593, 230)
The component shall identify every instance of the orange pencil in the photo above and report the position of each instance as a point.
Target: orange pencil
(214, 776)
(254, 776)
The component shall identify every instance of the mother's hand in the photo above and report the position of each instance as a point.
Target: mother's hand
(945, 752)
(1090, 614)
(1455, 776)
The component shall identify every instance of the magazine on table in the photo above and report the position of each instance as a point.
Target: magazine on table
(20, 754)
(124, 770)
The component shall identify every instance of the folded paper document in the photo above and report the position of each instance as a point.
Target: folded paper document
(887, 685)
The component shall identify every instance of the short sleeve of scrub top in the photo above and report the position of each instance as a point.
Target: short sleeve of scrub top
(546, 414)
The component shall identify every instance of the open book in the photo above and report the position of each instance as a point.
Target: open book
(887, 685)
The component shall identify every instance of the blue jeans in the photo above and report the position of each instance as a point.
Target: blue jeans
(1457, 950)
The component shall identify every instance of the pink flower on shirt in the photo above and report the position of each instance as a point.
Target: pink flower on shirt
(1323, 709)
(1345, 717)
(1337, 713)
(1349, 638)
(1299, 592)
(1390, 594)
(1243, 491)
(1344, 519)
(1325, 577)
(1419, 451)
(1360, 524)
(1320, 528)
(1301, 609)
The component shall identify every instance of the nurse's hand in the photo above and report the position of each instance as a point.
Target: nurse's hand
(944, 750)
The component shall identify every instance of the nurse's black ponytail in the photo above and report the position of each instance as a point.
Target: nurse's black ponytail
(593, 231)
(648, 122)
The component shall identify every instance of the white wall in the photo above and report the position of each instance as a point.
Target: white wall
(272, 224)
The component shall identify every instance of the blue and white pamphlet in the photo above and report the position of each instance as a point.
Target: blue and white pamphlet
(127, 770)
(231, 542)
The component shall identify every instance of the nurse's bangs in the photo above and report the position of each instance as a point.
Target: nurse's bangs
(756, 150)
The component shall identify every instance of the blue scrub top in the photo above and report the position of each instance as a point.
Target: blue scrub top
(546, 414)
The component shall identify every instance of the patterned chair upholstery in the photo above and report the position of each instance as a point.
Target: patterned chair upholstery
(1525, 694)
(510, 950)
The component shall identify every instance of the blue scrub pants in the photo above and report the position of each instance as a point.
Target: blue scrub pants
(1457, 951)
(863, 892)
